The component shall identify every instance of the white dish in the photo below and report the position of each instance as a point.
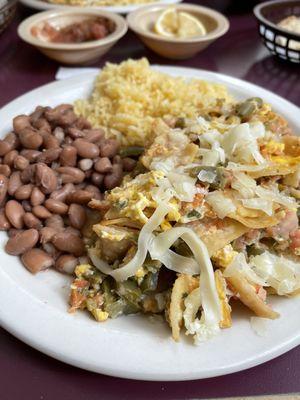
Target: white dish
(33, 308)
(44, 5)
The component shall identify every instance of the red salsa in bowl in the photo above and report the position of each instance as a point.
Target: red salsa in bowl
(83, 31)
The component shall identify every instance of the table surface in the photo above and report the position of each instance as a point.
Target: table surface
(28, 374)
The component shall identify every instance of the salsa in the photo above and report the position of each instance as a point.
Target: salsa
(79, 32)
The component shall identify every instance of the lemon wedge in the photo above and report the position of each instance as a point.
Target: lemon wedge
(178, 24)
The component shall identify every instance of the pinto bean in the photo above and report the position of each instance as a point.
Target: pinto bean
(14, 213)
(103, 165)
(75, 133)
(23, 192)
(10, 157)
(5, 148)
(41, 212)
(51, 142)
(26, 205)
(93, 135)
(95, 192)
(51, 250)
(62, 194)
(109, 148)
(36, 260)
(114, 178)
(45, 178)
(80, 186)
(83, 123)
(37, 197)
(59, 134)
(68, 156)
(97, 179)
(12, 139)
(28, 174)
(31, 221)
(128, 164)
(14, 182)
(20, 162)
(79, 197)
(61, 115)
(85, 164)
(49, 155)
(56, 207)
(3, 188)
(37, 114)
(21, 122)
(77, 216)
(13, 232)
(46, 234)
(42, 125)
(31, 155)
(73, 231)
(30, 139)
(86, 149)
(4, 222)
(69, 243)
(68, 140)
(71, 174)
(5, 170)
(55, 222)
(66, 263)
(22, 242)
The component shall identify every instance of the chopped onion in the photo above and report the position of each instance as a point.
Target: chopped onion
(207, 176)
(280, 273)
(240, 145)
(277, 197)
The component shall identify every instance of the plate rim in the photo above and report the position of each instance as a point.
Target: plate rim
(41, 346)
(43, 5)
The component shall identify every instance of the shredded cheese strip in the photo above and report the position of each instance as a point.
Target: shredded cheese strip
(145, 237)
(210, 300)
(178, 263)
(100, 264)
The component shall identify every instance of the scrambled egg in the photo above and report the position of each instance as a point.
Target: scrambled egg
(225, 256)
(134, 200)
(272, 148)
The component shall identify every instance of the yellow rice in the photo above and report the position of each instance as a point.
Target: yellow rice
(128, 97)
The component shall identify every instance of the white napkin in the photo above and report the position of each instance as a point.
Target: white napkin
(65, 72)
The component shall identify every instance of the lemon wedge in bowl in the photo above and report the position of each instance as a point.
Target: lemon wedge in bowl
(178, 24)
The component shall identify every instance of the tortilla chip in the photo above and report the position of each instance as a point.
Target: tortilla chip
(225, 307)
(183, 285)
(292, 145)
(217, 237)
(250, 298)
(274, 169)
(256, 219)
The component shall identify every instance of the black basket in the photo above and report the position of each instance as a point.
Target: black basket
(276, 39)
(7, 13)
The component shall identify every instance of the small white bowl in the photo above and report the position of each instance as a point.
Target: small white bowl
(142, 21)
(71, 53)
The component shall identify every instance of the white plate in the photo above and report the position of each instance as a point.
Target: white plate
(44, 5)
(34, 308)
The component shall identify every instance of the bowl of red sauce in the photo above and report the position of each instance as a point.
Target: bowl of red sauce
(74, 36)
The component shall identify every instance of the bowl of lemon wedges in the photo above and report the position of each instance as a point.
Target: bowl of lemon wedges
(179, 31)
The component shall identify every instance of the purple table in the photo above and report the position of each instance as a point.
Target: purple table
(28, 374)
